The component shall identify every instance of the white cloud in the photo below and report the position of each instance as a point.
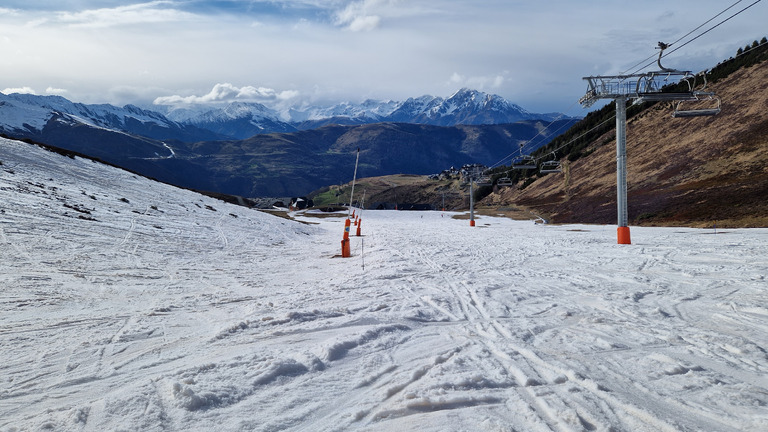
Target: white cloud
(484, 82)
(143, 13)
(530, 52)
(23, 90)
(364, 23)
(226, 92)
(55, 91)
(357, 17)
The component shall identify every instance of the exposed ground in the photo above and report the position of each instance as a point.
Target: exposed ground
(698, 172)
(681, 171)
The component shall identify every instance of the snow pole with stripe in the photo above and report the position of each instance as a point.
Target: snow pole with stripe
(360, 221)
(354, 179)
(345, 249)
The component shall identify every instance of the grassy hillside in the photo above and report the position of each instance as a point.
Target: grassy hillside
(297, 163)
(397, 189)
(681, 171)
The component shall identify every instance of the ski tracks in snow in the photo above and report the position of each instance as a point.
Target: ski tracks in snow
(165, 310)
(544, 343)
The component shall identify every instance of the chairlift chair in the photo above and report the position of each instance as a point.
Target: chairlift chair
(504, 181)
(524, 162)
(550, 166)
(698, 112)
(484, 181)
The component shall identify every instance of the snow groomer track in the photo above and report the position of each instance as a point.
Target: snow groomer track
(131, 305)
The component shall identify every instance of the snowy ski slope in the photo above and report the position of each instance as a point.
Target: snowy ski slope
(132, 305)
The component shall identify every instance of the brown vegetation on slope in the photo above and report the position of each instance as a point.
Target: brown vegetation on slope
(681, 171)
(399, 189)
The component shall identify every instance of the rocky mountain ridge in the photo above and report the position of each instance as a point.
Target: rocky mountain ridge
(26, 115)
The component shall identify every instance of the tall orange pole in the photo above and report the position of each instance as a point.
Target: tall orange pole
(345, 252)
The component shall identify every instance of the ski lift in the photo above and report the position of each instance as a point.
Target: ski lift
(550, 166)
(524, 162)
(484, 181)
(504, 181)
(698, 112)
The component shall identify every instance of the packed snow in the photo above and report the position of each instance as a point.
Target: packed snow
(132, 305)
(29, 112)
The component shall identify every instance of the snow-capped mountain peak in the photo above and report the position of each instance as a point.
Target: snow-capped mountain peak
(28, 114)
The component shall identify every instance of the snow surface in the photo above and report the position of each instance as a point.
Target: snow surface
(197, 114)
(131, 305)
(19, 110)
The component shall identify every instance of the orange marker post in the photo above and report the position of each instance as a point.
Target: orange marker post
(623, 235)
(360, 222)
(346, 229)
(345, 252)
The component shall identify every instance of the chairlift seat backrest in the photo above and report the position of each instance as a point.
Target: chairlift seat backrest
(699, 112)
(524, 162)
(552, 166)
(696, 113)
(484, 181)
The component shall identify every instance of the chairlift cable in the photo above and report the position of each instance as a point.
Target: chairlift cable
(535, 136)
(698, 36)
(637, 70)
(611, 118)
(664, 55)
(713, 27)
(569, 142)
(705, 23)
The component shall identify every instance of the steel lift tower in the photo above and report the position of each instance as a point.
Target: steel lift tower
(648, 86)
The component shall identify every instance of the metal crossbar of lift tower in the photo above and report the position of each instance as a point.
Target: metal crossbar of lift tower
(646, 87)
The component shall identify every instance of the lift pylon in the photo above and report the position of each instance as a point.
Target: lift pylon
(642, 87)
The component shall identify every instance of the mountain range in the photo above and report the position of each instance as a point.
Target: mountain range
(465, 107)
(27, 115)
(248, 149)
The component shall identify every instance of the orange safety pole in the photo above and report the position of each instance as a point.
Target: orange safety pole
(346, 229)
(360, 222)
(345, 252)
(623, 235)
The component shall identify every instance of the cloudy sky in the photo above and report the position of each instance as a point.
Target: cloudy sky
(533, 53)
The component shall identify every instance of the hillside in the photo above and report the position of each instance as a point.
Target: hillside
(267, 164)
(300, 162)
(401, 190)
(681, 171)
(701, 171)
